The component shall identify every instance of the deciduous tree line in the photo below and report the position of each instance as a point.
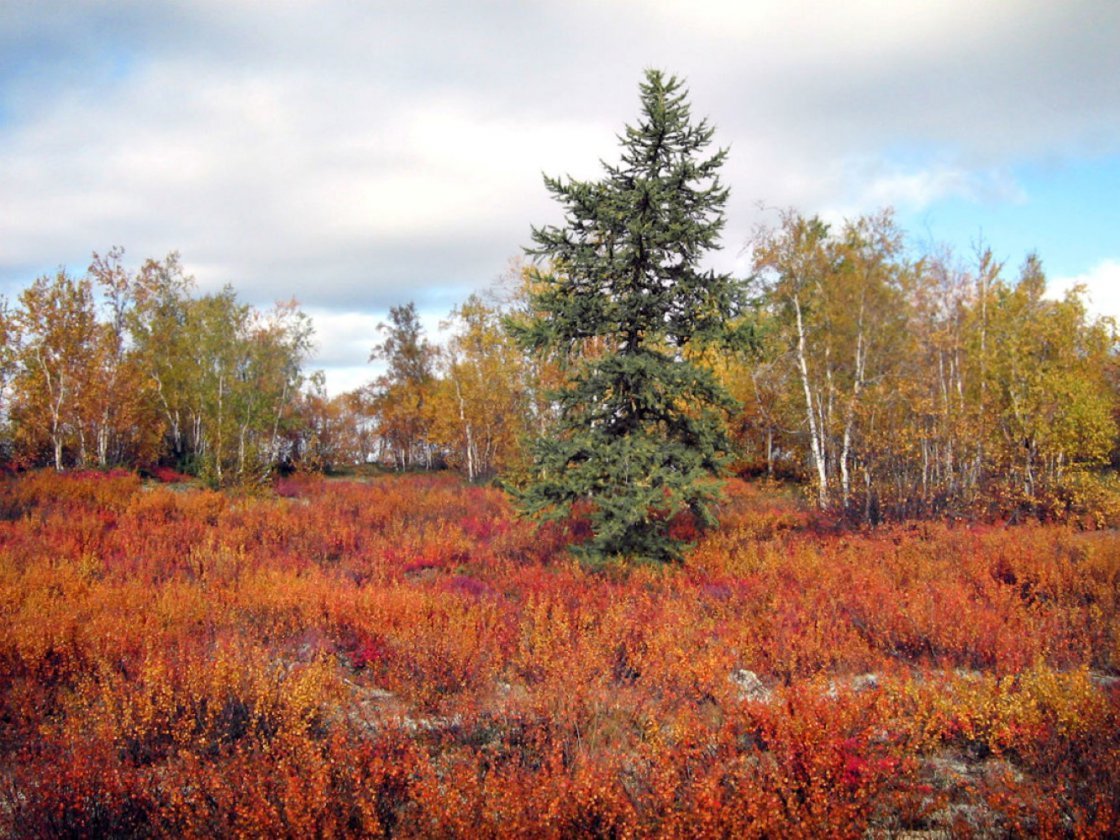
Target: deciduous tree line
(466, 405)
(902, 386)
(891, 384)
(122, 368)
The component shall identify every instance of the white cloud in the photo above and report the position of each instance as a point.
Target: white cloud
(919, 188)
(342, 337)
(1102, 288)
(359, 156)
(343, 341)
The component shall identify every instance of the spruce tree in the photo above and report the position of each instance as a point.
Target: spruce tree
(619, 297)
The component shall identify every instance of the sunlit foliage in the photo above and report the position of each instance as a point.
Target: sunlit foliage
(904, 386)
(122, 368)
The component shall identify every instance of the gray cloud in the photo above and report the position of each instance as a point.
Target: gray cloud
(357, 155)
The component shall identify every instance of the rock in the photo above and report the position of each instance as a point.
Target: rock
(1102, 680)
(750, 686)
(432, 724)
(865, 682)
(369, 708)
(857, 684)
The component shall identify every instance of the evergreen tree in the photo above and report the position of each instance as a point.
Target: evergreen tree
(641, 434)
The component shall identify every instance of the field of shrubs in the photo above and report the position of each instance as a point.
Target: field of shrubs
(404, 657)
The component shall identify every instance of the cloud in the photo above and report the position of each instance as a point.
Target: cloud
(344, 339)
(358, 156)
(1101, 285)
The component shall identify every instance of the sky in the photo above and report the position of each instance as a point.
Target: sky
(363, 155)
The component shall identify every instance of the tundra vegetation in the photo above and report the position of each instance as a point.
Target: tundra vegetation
(877, 489)
(406, 657)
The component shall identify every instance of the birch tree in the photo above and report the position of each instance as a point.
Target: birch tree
(57, 323)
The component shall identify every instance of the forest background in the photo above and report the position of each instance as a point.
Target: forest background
(890, 381)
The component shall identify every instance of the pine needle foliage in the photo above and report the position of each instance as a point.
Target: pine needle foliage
(620, 300)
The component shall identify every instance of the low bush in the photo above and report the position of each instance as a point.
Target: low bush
(403, 657)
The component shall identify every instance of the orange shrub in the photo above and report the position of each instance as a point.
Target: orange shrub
(402, 657)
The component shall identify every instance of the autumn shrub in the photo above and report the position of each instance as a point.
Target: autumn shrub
(46, 491)
(167, 475)
(402, 657)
